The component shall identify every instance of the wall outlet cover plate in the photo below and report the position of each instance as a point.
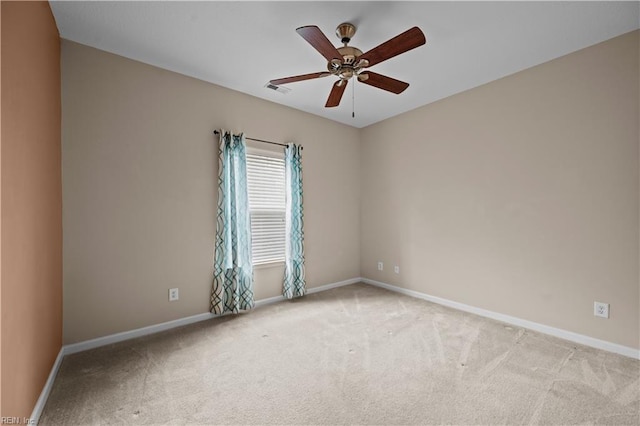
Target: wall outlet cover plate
(601, 309)
(173, 294)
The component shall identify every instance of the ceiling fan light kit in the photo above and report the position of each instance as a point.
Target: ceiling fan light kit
(348, 61)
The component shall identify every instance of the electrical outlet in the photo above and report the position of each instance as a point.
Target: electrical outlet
(396, 269)
(173, 294)
(601, 309)
(380, 266)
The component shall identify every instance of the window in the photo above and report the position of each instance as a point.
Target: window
(266, 185)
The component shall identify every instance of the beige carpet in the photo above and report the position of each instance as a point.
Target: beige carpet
(352, 355)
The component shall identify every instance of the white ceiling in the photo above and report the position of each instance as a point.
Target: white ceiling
(242, 45)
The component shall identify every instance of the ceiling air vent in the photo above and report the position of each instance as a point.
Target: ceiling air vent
(280, 89)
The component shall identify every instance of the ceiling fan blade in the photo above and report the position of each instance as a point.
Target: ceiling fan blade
(299, 78)
(383, 82)
(336, 93)
(320, 42)
(404, 42)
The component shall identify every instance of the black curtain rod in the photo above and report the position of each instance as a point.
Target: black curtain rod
(215, 132)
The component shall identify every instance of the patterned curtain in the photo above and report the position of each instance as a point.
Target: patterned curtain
(232, 289)
(294, 283)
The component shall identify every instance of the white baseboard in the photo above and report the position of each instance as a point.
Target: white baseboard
(132, 334)
(312, 290)
(44, 395)
(519, 322)
(139, 332)
(333, 285)
(268, 301)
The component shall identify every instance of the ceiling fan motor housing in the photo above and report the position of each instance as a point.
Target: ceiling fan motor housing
(349, 54)
(348, 67)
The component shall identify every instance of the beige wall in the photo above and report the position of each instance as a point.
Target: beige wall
(519, 196)
(139, 177)
(31, 192)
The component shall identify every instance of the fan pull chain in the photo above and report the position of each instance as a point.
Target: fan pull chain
(353, 98)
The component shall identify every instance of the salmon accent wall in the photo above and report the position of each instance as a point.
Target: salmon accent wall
(31, 204)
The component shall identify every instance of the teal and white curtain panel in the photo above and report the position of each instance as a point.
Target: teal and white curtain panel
(294, 282)
(232, 289)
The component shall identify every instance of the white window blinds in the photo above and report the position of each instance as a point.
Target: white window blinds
(266, 185)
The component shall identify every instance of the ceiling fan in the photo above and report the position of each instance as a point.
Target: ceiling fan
(348, 61)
